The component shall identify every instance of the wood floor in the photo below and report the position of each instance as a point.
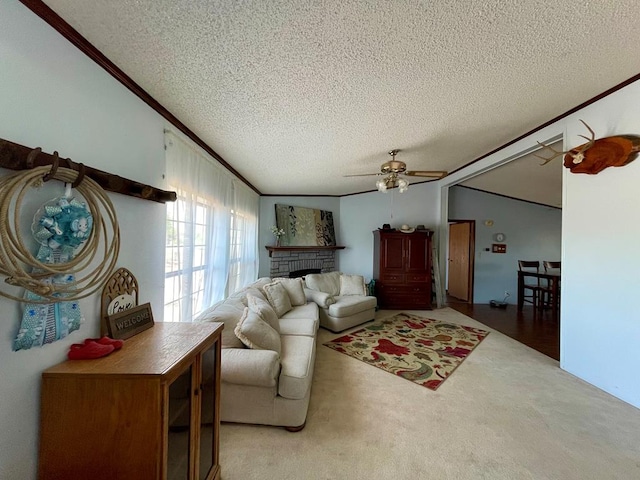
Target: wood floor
(541, 333)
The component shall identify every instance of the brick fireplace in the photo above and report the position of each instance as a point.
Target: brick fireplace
(285, 260)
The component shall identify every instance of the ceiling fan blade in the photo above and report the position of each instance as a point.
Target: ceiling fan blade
(427, 173)
(362, 175)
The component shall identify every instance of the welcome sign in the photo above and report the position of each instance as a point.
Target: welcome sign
(130, 322)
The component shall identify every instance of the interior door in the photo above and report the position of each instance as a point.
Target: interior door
(460, 277)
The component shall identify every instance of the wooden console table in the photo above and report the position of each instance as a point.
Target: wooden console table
(147, 411)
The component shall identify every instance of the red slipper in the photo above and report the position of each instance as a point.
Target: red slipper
(83, 351)
(117, 344)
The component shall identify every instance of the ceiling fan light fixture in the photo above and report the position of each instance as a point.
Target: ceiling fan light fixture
(394, 172)
(390, 181)
(381, 185)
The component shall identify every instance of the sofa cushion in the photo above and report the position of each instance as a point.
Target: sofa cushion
(278, 298)
(242, 294)
(261, 282)
(308, 310)
(298, 354)
(255, 285)
(324, 282)
(228, 312)
(295, 289)
(322, 299)
(256, 333)
(299, 326)
(352, 285)
(264, 309)
(350, 305)
(258, 368)
(302, 320)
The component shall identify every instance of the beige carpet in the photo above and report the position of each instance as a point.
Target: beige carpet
(509, 412)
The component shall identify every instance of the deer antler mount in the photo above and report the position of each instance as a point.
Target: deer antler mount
(596, 155)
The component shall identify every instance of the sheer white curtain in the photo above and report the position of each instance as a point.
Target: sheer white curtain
(246, 207)
(211, 231)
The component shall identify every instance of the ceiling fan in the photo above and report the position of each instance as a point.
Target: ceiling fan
(393, 171)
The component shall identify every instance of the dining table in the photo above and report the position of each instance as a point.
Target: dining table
(552, 280)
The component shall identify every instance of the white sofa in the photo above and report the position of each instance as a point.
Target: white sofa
(269, 343)
(342, 299)
(269, 382)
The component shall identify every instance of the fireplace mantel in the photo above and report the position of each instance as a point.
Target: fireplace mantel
(273, 248)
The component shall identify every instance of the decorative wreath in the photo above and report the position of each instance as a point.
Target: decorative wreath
(61, 226)
(62, 223)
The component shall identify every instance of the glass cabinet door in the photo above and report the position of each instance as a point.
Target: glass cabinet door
(179, 434)
(208, 424)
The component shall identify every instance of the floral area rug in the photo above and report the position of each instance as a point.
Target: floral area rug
(422, 350)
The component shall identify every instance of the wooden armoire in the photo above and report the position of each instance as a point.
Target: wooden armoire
(402, 269)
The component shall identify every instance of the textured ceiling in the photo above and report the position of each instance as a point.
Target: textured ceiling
(294, 94)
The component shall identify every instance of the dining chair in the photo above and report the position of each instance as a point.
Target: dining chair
(534, 291)
(552, 267)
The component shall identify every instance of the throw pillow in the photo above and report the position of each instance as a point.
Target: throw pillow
(322, 299)
(352, 285)
(265, 310)
(228, 312)
(295, 289)
(255, 333)
(324, 282)
(278, 298)
(242, 294)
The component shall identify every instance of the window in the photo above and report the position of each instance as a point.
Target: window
(211, 240)
(185, 260)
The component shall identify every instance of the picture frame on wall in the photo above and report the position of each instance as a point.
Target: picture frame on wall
(305, 226)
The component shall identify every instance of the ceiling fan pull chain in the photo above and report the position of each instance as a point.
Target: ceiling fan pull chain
(392, 205)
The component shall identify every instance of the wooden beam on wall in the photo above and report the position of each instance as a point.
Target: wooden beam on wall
(18, 157)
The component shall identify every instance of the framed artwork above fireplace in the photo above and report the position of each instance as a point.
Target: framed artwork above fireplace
(305, 226)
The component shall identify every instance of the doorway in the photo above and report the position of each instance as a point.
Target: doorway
(543, 336)
(460, 261)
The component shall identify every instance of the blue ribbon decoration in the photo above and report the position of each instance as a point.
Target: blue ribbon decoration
(60, 226)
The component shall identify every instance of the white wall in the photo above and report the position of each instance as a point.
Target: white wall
(533, 232)
(53, 96)
(600, 329)
(361, 214)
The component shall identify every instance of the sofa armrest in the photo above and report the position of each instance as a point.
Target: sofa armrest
(322, 299)
(245, 366)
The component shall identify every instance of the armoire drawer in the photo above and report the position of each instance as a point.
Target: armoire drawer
(417, 278)
(402, 289)
(392, 278)
(404, 301)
